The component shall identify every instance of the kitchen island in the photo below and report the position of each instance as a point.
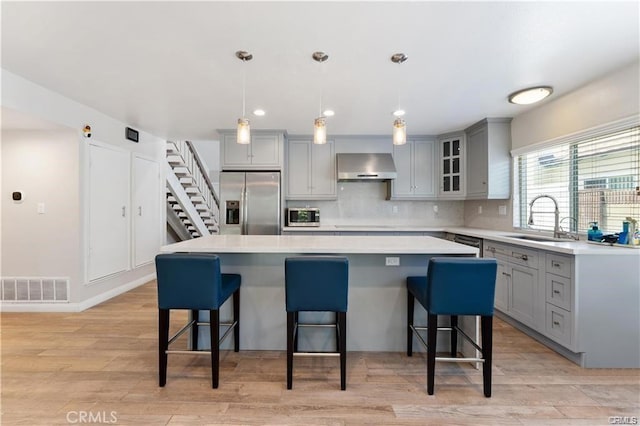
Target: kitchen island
(376, 318)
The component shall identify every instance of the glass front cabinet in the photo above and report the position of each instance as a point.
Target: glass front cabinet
(452, 166)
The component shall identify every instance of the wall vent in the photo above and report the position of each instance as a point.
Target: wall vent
(35, 289)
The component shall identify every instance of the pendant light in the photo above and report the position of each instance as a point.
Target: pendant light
(399, 125)
(320, 123)
(244, 127)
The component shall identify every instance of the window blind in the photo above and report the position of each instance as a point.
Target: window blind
(592, 179)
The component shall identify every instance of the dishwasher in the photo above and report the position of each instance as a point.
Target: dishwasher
(469, 241)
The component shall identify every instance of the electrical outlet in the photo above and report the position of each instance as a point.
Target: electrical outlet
(479, 209)
(435, 209)
(40, 208)
(502, 210)
(392, 261)
(394, 209)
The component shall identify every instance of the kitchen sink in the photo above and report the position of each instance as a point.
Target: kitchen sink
(536, 238)
(362, 226)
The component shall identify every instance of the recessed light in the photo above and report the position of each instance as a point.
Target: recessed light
(398, 112)
(259, 112)
(530, 95)
(328, 113)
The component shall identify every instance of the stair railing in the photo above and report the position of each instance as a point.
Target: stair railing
(200, 174)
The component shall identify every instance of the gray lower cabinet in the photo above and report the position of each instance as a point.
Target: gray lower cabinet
(585, 306)
(558, 299)
(517, 281)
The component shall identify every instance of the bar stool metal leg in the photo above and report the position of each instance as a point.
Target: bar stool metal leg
(454, 336)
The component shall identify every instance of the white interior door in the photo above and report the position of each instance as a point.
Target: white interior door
(146, 210)
(108, 211)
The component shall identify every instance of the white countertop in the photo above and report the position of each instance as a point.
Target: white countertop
(319, 244)
(564, 246)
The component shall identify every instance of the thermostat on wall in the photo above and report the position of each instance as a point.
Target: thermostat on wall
(131, 134)
(17, 196)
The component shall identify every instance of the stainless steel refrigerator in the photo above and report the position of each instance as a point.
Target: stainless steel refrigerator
(250, 203)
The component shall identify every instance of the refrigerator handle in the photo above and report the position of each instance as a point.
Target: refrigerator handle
(244, 227)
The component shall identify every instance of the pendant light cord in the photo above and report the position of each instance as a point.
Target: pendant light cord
(244, 84)
(321, 85)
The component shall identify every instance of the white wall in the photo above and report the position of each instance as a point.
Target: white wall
(44, 165)
(28, 98)
(608, 99)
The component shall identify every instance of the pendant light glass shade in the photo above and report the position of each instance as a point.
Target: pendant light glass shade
(399, 132)
(320, 131)
(243, 134)
(320, 123)
(244, 131)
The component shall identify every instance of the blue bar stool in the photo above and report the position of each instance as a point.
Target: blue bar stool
(321, 284)
(454, 286)
(193, 281)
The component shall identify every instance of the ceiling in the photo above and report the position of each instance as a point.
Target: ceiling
(169, 68)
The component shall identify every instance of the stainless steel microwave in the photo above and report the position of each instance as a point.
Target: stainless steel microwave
(303, 216)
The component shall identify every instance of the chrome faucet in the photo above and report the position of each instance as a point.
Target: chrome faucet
(556, 227)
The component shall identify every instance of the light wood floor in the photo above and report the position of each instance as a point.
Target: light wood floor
(103, 363)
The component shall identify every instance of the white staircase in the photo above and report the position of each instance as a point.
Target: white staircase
(192, 204)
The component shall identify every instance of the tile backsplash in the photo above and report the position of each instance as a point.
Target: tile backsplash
(364, 203)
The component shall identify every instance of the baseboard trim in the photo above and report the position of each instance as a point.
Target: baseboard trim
(76, 307)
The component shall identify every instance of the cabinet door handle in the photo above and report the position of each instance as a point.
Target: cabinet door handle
(556, 291)
(524, 257)
(139, 210)
(556, 323)
(555, 264)
(506, 275)
(124, 211)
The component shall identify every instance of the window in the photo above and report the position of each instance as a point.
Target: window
(593, 178)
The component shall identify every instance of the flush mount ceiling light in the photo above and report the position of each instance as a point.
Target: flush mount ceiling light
(259, 112)
(320, 123)
(244, 127)
(399, 125)
(530, 95)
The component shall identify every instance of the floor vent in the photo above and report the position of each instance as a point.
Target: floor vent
(35, 289)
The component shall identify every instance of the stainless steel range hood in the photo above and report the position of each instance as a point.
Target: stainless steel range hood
(363, 167)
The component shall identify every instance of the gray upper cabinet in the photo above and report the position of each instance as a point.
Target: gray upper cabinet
(415, 164)
(489, 162)
(452, 156)
(263, 153)
(311, 170)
